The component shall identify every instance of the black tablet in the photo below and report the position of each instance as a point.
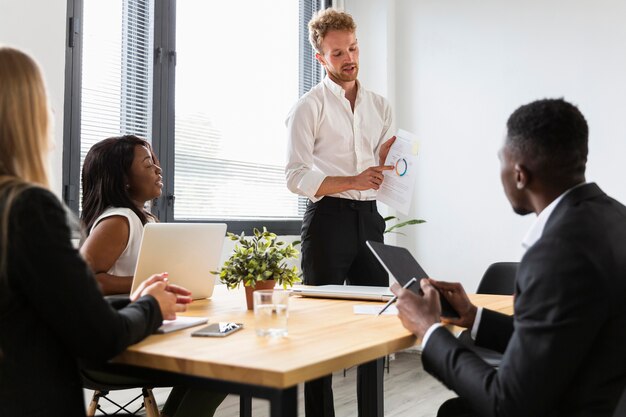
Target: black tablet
(402, 266)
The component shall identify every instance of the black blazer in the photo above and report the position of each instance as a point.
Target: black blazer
(565, 348)
(52, 313)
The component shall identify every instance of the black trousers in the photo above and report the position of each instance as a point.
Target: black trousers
(334, 231)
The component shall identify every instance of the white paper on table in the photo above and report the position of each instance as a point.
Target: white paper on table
(399, 184)
(374, 309)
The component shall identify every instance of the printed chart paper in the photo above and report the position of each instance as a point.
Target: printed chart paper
(399, 184)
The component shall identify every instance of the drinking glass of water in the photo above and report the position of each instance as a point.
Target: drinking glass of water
(271, 309)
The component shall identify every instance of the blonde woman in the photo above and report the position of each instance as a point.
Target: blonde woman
(52, 313)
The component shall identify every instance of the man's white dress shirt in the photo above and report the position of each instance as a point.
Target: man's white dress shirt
(326, 138)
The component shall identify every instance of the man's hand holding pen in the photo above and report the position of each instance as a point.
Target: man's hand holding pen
(395, 297)
(417, 313)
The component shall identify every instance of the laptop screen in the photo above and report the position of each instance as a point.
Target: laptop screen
(188, 252)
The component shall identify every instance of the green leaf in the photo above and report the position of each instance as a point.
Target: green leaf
(389, 218)
(396, 233)
(405, 223)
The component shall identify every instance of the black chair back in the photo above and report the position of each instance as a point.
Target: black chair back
(499, 279)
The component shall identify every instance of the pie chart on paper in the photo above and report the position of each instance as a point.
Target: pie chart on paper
(401, 167)
(399, 185)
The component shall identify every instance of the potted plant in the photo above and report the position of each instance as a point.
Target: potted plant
(259, 262)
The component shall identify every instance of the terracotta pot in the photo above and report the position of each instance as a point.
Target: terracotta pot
(260, 285)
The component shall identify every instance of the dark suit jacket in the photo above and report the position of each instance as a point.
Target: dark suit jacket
(52, 314)
(565, 348)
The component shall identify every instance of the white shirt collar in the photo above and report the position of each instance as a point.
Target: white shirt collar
(536, 230)
(338, 90)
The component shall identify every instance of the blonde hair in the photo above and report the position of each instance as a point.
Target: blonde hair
(326, 20)
(24, 133)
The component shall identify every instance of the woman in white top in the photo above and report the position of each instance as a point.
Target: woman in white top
(120, 175)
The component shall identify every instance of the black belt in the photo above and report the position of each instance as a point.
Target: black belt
(345, 203)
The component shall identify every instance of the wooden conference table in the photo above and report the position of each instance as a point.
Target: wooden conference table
(324, 336)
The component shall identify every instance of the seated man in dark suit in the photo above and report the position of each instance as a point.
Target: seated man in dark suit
(565, 347)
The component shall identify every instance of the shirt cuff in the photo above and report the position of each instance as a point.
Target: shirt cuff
(430, 331)
(310, 183)
(476, 324)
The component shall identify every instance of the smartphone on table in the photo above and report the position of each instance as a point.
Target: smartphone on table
(220, 329)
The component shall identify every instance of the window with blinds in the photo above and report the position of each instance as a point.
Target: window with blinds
(116, 93)
(235, 84)
(238, 68)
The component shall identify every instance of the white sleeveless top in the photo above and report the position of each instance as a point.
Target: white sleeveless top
(125, 264)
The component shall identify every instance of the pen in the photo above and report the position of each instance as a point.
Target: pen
(395, 297)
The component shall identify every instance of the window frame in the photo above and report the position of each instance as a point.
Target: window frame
(71, 110)
(163, 138)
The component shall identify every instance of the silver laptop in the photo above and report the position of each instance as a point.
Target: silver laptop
(188, 252)
(347, 292)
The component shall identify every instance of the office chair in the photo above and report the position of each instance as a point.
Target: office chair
(498, 279)
(101, 391)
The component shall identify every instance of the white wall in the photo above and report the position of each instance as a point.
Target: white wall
(460, 69)
(38, 27)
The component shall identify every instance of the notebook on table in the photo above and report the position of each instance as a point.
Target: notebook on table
(188, 252)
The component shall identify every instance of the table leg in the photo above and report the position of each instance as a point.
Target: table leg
(284, 403)
(245, 405)
(370, 389)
